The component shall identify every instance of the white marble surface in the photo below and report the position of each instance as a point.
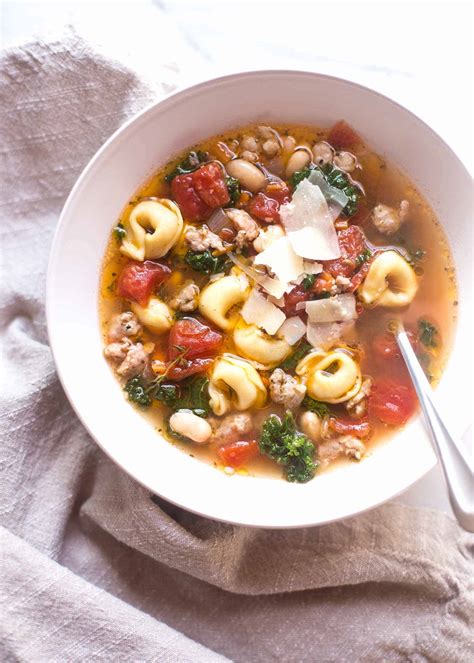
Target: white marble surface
(418, 53)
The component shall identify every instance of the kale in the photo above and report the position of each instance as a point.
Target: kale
(363, 257)
(280, 441)
(191, 394)
(137, 392)
(321, 409)
(187, 165)
(428, 334)
(290, 363)
(234, 189)
(205, 262)
(308, 281)
(413, 256)
(119, 231)
(335, 178)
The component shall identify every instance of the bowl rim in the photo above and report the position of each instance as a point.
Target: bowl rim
(178, 96)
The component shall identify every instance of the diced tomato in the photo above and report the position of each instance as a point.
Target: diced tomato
(184, 368)
(197, 339)
(279, 191)
(298, 294)
(264, 208)
(343, 137)
(238, 453)
(385, 345)
(210, 184)
(392, 402)
(352, 243)
(360, 428)
(358, 278)
(138, 280)
(192, 207)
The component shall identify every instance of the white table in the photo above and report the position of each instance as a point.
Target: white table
(417, 53)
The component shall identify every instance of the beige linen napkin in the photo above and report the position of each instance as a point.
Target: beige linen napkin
(92, 567)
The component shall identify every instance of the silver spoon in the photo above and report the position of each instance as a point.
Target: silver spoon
(453, 457)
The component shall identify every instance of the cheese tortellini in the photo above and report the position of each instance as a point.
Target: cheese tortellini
(235, 384)
(255, 344)
(219, 300)
(155, 316)
(332, 377)
(153, 228)
(390, 282)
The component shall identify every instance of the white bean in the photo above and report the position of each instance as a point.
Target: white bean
(289, 143)
(311, 425)
(249, 176)
(300, 158)
(185, 422)
(322, 153)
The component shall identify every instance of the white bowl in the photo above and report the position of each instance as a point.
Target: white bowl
(118, 169)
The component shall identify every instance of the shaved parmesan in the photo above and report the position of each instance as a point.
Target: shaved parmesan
(309, 225)
(336, 199)
(335, 309)
(257, 310)
(321, 334)
(273, 286)
(311, 267)
(292, 330)
(282, 260)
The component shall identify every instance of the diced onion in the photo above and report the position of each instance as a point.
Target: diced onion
(292, 330)
(218, 220)
(335, 309)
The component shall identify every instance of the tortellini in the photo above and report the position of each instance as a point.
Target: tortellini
(235, 384)
(255, 344)
(155, 316)
(219, 300)
(390, 281)
(153, 228)
(332, 377)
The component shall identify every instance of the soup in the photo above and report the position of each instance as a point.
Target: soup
(249, 289)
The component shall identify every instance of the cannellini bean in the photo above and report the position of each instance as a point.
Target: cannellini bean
(345, 161)
(289, 143)
(323, 153)
(252, 157)
(188, 424)
(249, 143)
(249, 176)
(300, 158)
(311, 425)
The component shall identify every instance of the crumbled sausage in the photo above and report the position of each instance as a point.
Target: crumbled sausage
(247, 155)
(249, 143)
(357, 405)
(286, 389)
(202, 239)
(271, 147)
(348, 445)
(387, 219)
(231, 428)
(123, 324)
(247, 228)
(187, 298)
(133, 357)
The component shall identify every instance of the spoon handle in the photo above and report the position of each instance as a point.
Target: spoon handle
(452, 456)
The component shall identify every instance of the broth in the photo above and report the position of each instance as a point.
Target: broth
(421, 239)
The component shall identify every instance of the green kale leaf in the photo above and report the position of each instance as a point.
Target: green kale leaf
(205, 262)
(120, 232)
(191, 394)
(280, 441)
(428, 334)
(137, 393)
(321, 409)
(335, 178)
(187, 165)
(363, 257)
(290, 363)
(233, 187)
(308, 281)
